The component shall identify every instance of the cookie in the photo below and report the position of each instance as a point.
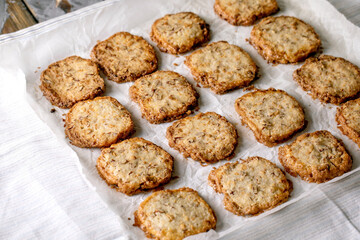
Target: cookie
(284, 39)
(222, 67)
(134, 165)
(240, 12)
(164, 96)
(315, 157)
(125, 57)
(205, 137)
(329, 79)
(174, 214)
(250, 187)
(180, 32)
(348, 118)
(273, 115)
(98, 123)
(71, 80)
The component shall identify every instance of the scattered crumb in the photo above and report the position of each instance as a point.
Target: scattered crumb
(36, 71)
(38, 67)
(129, 219)
(175, 64)
(198, 85)
(197, 108)
(52, 110)
(249, 88)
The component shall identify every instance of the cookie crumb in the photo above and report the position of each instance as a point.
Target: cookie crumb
(53, 110)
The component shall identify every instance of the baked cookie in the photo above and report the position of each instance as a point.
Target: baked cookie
(316, 157)
(205, 137)
(222, 67)
(329, 79)
(134, 165)
(348, 118)
(250, 187)
(98, 123)
(244, 12)
(180, 32)
(273, 115)
(164, 96)
(174, 214)
(284, 39)
(71, 80)
(125, 57)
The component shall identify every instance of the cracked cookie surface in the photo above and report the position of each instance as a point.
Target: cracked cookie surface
(315, 157)
(135, 165)
(250, 187)
(329, 79)
(348, 118)
(71, 80)
(125, 57)
(180, 32)
(272, 115)
(222, 67)
(174, 214)
(164, 96)
(284, 39)
(244, 12)
(205, 137)
(98, 123)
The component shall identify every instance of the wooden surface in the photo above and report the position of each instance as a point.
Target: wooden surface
(20, 16)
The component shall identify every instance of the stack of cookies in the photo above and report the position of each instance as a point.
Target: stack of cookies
(134, 165)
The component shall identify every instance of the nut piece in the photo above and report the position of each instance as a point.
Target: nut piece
(273, 115)
(174, 215)
(316, 157)
(180, 32)
(135, 165)
(250, 187)
(222, 67)
(98, 123)
(244, 12)
(206, 137)
(71, 80)
(125, 57)
(284, 39)
(329, 79)
(164, 96)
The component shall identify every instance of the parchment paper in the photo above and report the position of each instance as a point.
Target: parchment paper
(78, 32)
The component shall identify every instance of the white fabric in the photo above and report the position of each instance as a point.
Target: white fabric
(43, 195)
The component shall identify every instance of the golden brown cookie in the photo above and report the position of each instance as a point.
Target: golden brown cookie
(98, 123)
(71, 80)
(125, 57)
(329, 79)
(316, 157)
(180, 32)
(174, 214)
(273, 115)
(164, 96)
(250, 187)
(134, 165)
(244, 12)
(284, 39)
(222, 67)
(205, 137)
(348, 118)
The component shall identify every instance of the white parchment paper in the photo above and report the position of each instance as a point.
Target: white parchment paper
(78, 32)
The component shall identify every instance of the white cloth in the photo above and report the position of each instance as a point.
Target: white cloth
(43, 195)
